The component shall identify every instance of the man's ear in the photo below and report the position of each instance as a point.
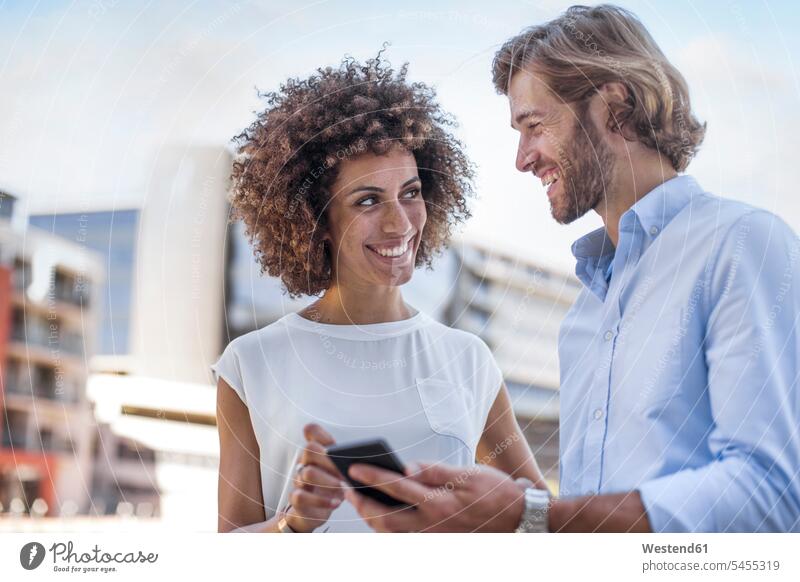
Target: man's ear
(617, 101)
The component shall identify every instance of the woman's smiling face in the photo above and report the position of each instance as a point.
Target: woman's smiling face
(375, 219)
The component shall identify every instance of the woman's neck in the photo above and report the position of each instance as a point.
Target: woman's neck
(347, 306)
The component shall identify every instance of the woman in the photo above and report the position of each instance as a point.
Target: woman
(347, 182)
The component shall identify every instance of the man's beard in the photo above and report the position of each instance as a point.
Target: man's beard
(585, 172)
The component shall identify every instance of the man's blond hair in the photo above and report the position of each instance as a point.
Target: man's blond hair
(586, 47)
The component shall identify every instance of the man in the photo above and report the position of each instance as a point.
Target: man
(679, 359)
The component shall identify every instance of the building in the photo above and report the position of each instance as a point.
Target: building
(162, 327)
(516, 306)
(48, 323)
(158, 450)
(113, 234)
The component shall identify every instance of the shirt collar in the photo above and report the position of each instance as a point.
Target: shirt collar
(594, 252)
(654, 211)
(658, 207)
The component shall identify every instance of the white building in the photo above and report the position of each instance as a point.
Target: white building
(156, 447)
(517, 305)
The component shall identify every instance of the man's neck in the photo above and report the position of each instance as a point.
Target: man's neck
(629, 186)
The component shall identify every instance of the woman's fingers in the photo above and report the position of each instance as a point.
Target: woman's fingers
(309, 510)
(311, 476)
(314, 454)
(303, 501)
(314, 432)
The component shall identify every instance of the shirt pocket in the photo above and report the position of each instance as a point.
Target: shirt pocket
(447, 411)
(662, 362)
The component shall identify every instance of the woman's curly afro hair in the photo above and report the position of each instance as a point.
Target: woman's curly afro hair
(289, 157)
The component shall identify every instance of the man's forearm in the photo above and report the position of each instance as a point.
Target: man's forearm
(621, 512)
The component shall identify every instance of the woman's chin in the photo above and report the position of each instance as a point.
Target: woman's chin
(392, 271)
(396, 279)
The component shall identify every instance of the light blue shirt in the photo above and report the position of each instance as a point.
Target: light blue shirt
(679, 377)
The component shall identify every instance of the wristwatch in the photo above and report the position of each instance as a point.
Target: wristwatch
(537, 508)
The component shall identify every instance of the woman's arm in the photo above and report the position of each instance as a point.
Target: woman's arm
(503, 446)
(241, 506)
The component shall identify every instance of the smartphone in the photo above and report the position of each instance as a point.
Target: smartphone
(372, 452)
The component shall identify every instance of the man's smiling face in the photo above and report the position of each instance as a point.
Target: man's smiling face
(561, 145)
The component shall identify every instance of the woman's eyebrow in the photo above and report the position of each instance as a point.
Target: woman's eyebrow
(365, 189)
(378, 189)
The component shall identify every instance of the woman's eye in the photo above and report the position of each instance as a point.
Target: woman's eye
(368, 201)
(412, 193)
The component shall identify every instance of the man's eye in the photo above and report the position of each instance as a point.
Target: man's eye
(534, 126)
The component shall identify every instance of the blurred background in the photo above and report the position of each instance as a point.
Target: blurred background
(122, 280)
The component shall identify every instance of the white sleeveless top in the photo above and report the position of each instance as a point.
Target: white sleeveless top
(424, 387)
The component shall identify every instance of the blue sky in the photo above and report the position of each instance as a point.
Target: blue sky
(93, 89)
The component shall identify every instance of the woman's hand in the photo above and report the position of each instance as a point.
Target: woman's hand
(317, 483)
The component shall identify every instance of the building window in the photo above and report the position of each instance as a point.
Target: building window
(112, 234)
(6, 205)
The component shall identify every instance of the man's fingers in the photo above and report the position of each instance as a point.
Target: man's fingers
(380, 517)
(314, 432)
(438, 475)
(391, 483)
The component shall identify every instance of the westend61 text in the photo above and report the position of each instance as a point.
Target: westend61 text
(675, 549)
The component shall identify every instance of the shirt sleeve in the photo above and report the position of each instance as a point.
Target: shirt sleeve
(752, 353)
(228, 368)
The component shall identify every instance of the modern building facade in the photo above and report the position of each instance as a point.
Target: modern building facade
(516, 306)
(48, 323)
(161, 328)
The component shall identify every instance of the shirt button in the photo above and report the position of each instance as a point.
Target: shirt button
(598, 414)
(654, 230)
(608, 335)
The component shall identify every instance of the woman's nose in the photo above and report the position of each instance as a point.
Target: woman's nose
(395, 218)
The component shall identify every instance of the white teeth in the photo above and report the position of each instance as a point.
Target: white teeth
(393, 252)
(550, 178)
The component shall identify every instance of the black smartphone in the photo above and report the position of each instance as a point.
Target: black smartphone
(372, 452)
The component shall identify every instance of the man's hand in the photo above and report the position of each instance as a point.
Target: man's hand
(443, 499)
